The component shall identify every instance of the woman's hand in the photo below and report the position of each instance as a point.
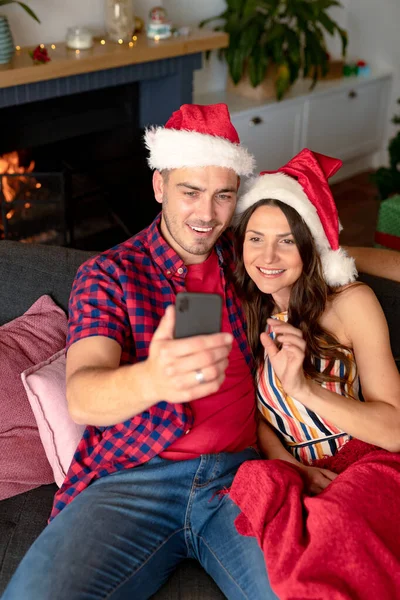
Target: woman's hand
(316, 479)
(287, 361)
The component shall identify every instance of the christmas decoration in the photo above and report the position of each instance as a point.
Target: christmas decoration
(40, 55)
(158, 28)
(198, 136)
(387, 232)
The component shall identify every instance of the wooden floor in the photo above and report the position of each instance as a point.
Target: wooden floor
(357, 202)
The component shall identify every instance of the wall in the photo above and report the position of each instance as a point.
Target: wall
(57, 15)
(374, 36)
(372, 28)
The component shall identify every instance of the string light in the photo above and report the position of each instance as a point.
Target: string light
(157, 38)
(53, 46)
(77, 51)
(41, 46)
(120, 41)
(18, 48)
(131, 44)
(103, 42)
(135, 38)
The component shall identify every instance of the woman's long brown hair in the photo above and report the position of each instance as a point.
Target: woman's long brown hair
(307, 302)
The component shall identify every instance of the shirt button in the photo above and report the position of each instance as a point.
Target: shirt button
(187, 431)
(180, 270)
(168, 272)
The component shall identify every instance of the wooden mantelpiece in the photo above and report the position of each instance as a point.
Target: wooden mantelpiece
(65, 62)
(162, 70)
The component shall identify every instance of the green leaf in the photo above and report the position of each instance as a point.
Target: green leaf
(327, 23)
(275, 31)
(394, 151)
(325, 4)
(282, 82)
(344, 38)
(286, 32)
(29, 11)
(24, 6)
(236, 5)
(236, 63)
(248, 39)
(257, 66)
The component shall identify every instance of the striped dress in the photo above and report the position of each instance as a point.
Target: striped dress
(304, 433)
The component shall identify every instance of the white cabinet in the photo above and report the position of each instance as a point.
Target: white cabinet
(271, 133)
(345, 118)
(346, 123)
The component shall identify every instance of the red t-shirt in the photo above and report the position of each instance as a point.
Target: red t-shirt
(224, 421)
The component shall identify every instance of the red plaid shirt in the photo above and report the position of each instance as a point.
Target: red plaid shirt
(122, 294)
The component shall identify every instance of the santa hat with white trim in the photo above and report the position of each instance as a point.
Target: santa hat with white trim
(198, 136)
(303, 184)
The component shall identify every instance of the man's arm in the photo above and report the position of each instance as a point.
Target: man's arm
(376, 261)
(101, 392)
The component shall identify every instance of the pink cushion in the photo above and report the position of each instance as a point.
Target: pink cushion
(26, 341)
(45, 386)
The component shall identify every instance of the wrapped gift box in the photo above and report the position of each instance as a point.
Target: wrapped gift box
(387, 232)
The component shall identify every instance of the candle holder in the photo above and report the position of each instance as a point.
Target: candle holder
(79, 38)
(119, 20)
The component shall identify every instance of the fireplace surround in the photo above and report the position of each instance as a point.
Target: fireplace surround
(86, 129)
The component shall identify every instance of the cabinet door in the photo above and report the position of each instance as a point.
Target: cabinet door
(348, 123)
(271, 133)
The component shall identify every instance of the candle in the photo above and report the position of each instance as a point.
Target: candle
(79, 38)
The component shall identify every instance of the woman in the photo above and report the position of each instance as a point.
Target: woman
(313, 331)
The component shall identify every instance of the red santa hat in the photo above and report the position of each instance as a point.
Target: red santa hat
(198, 136)
(303, 184)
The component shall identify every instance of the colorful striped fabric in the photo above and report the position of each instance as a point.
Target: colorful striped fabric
(305, 434)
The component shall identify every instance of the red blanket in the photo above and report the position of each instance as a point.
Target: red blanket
(343, 544)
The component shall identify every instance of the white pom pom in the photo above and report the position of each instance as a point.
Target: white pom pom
(338, 267)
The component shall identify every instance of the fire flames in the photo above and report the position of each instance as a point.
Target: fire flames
(13, 186)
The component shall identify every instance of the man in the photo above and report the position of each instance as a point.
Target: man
(170, 420)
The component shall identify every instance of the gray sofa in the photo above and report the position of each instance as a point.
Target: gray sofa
(26, 273)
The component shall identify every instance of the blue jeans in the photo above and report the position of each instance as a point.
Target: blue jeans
(124, 535)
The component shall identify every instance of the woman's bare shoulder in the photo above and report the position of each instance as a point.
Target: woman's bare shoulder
(352, 294)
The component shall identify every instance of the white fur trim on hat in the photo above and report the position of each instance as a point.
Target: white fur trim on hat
(175, 149)
(338, 267)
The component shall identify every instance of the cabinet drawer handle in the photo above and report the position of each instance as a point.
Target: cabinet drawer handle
(353, 94)
(255, 121)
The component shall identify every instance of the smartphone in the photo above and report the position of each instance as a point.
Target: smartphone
(197, 314)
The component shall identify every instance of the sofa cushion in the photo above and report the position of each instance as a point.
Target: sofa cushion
(22, 518)
(24, 342)
(28, 271)
(45, 387)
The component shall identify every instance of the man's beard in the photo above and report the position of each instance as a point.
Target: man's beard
(198, 248)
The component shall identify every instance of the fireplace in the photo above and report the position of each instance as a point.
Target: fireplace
(74, 170)
(74, 130)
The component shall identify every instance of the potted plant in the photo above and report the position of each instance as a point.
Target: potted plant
(7, 48)
(387, 179)
(287, 35)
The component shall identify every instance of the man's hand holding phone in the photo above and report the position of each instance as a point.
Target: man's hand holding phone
(182, 370)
